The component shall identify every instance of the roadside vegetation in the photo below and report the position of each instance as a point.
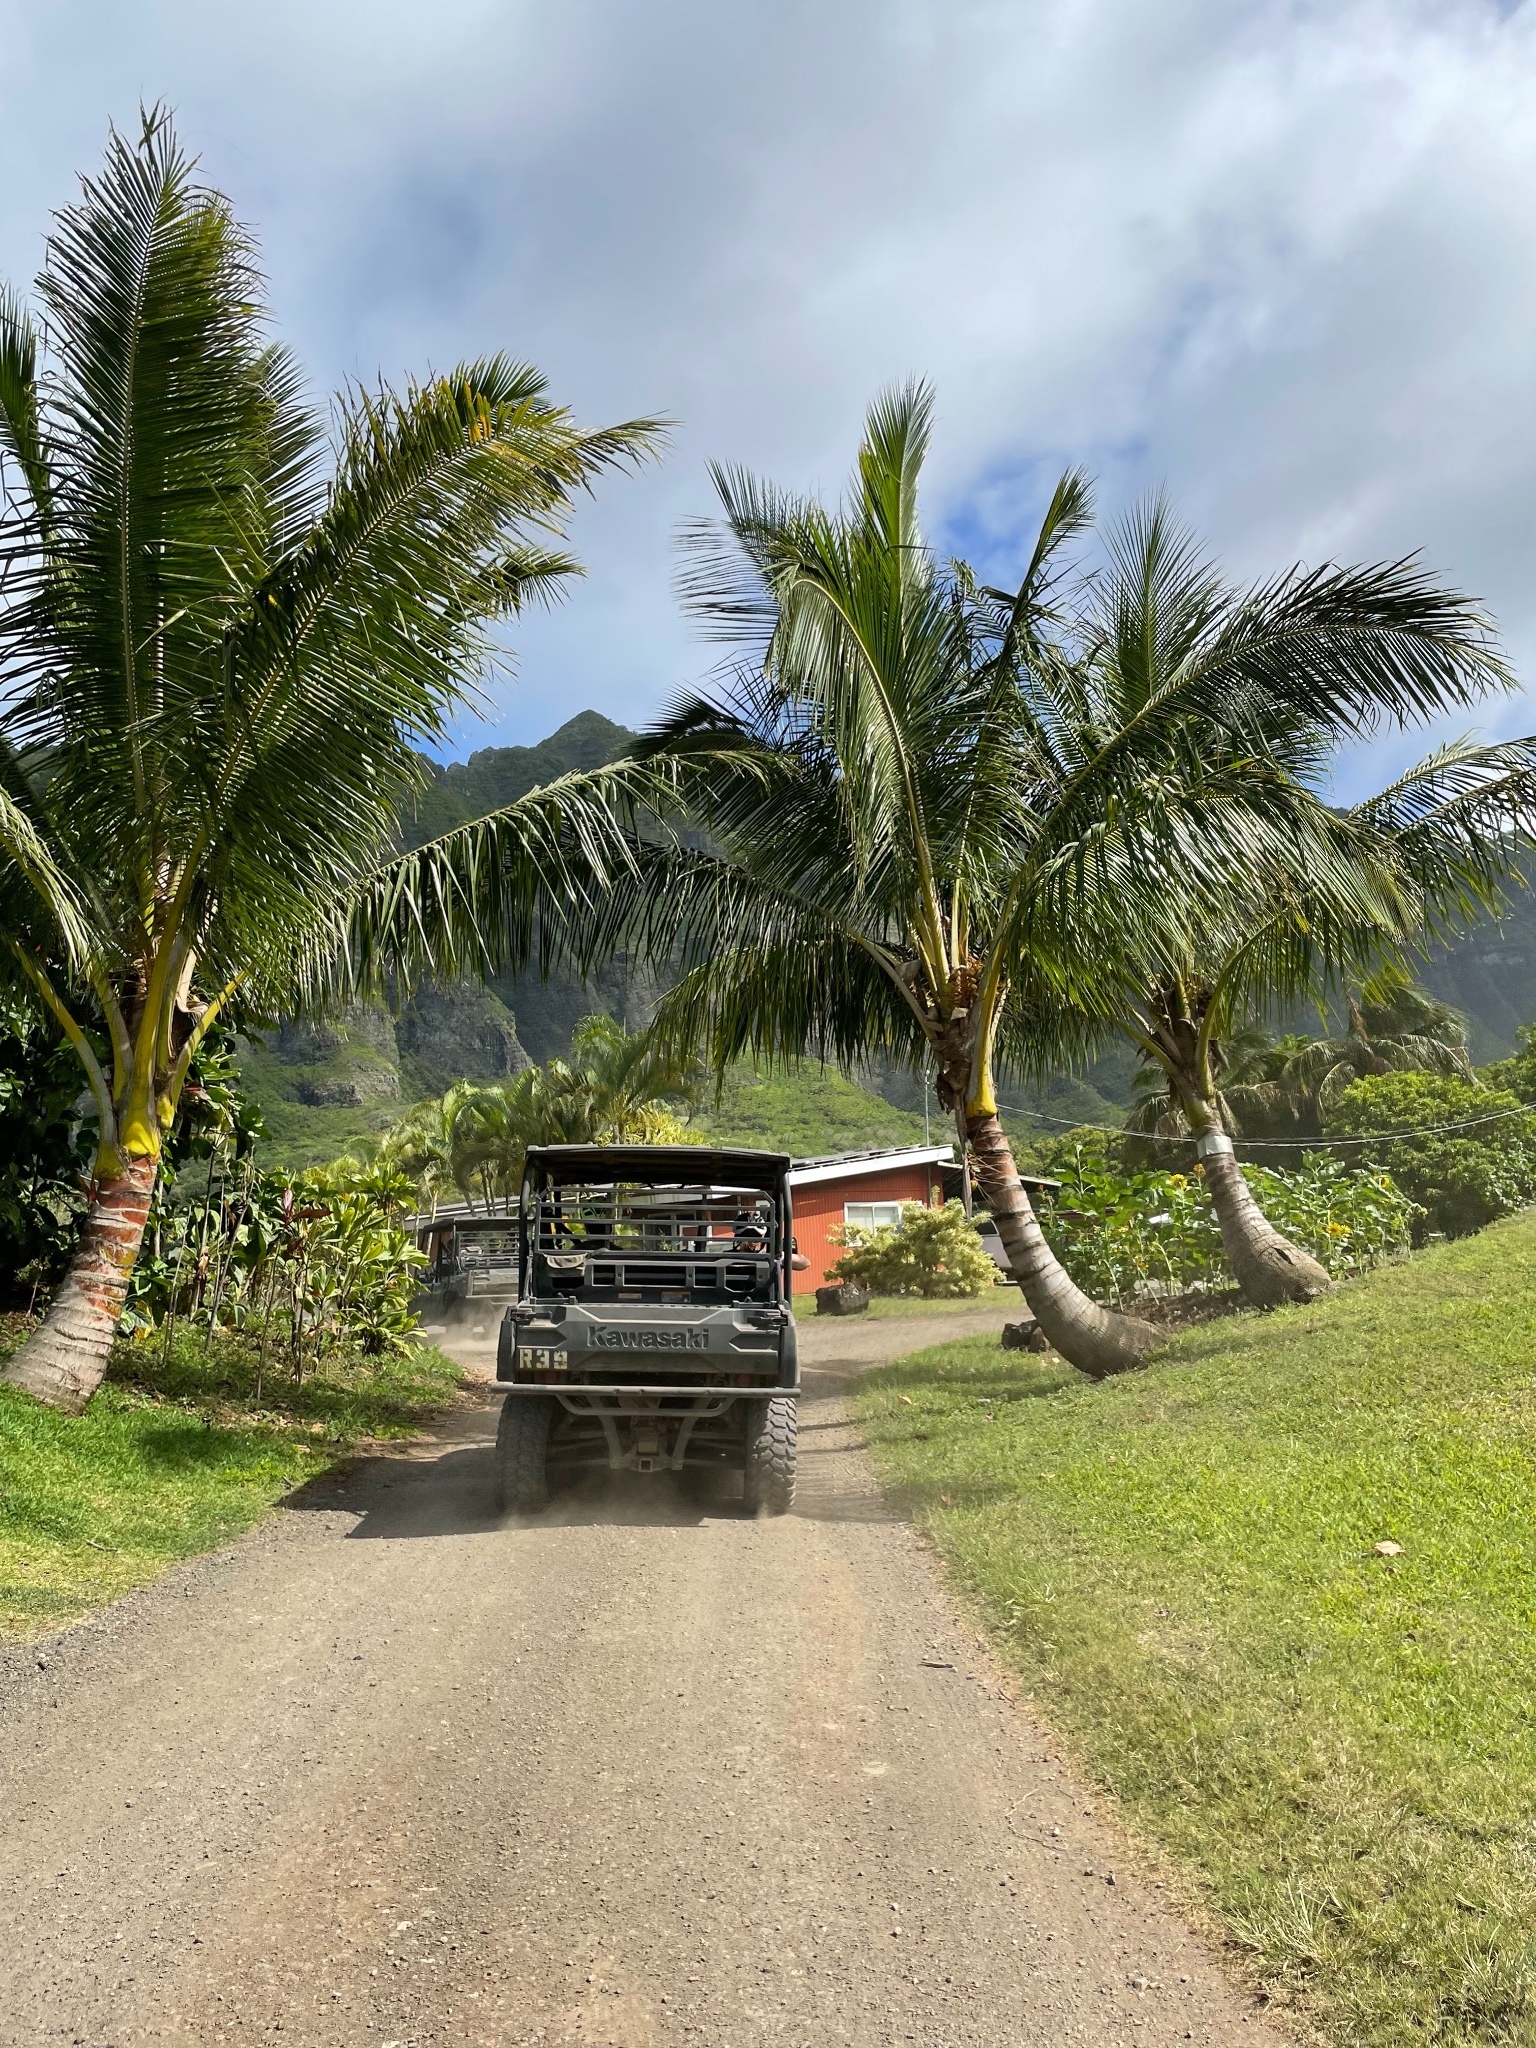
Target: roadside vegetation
(1276, 1588)
(1125, 1232)
(187, 1444)
(933, 1253)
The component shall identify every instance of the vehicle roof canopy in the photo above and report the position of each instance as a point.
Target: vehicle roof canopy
(663, 1165)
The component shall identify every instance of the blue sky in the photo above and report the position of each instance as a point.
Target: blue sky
(1277, 257)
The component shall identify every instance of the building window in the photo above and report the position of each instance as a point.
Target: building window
(871, 1215)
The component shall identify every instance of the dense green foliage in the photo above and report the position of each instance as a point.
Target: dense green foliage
(44, 1152)
(1183, 1568)
(181, 1450)
(623, 1086)
(308, 1267)
(931, 1252)
(1119, 1230)
(47, 1135)
(807, 1110)
(1461, 1179)
(617, 1086)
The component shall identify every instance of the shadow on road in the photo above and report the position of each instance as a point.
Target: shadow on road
(451, 1493)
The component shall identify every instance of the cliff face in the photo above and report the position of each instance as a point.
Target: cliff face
(1491, 977)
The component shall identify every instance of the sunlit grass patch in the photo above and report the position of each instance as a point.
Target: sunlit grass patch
(1183, 1566)
(174, 1457)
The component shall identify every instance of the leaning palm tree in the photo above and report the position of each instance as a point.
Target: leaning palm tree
(1447, 837)
(942, 821)
(223, 640)
(964, 824)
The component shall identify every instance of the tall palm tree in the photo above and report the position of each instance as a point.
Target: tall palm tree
(1446, 837)
(947, 820)
(222, 641)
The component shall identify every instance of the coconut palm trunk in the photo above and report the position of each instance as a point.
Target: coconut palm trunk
(1099, 1341)
(1176, 1028)
(1267, 1267)
(63, 1362)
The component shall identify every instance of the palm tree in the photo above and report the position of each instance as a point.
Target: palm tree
(1389, 1027)
(427, 1144)
(616, 1087)
(1445, 838)
(1246, 1064)
(944, 821)
(222, 643)
(940, 820)
(623, 1086)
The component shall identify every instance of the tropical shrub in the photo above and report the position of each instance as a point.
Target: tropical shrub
(44, 1152)
(932, 1252)
(47, 1135)
(311, 1265)
(1461, 1179)
(1123, 1233)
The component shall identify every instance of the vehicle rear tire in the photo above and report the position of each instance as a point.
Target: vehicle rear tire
(769, 1487)
(522, 1444)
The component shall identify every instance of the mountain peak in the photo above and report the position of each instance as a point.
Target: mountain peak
(495, 776)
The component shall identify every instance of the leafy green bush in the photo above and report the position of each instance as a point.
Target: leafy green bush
(43, 1152)
(932, 1252)
(1351, 1217)
(1460, 1179)
(319, 1264)
(1120, 1234)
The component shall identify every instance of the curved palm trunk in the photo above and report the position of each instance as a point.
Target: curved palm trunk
(63, 1361)
(1268, 1267)
(1098, 1341)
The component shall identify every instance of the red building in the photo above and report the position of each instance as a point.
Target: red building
(861, 1188)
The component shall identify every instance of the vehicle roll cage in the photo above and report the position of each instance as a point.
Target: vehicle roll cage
(662, 1221)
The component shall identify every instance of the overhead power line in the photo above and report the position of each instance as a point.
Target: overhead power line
(1465, 1123)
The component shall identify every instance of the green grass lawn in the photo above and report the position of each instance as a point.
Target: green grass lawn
(1182, 1566)
(173, 1457)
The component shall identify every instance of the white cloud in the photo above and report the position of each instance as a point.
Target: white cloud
(1278, 255)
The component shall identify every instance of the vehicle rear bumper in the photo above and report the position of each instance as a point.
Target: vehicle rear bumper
(561, 1388)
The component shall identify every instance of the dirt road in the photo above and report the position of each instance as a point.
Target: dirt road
(636, 1774)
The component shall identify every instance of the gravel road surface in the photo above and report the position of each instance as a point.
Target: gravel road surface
(638, 1773)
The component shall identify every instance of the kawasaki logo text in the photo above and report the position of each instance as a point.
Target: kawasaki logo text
(650, 1340)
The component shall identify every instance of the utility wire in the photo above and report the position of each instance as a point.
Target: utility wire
(1465, 1123)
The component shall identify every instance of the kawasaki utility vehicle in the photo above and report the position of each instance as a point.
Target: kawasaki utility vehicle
(652, 1328)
